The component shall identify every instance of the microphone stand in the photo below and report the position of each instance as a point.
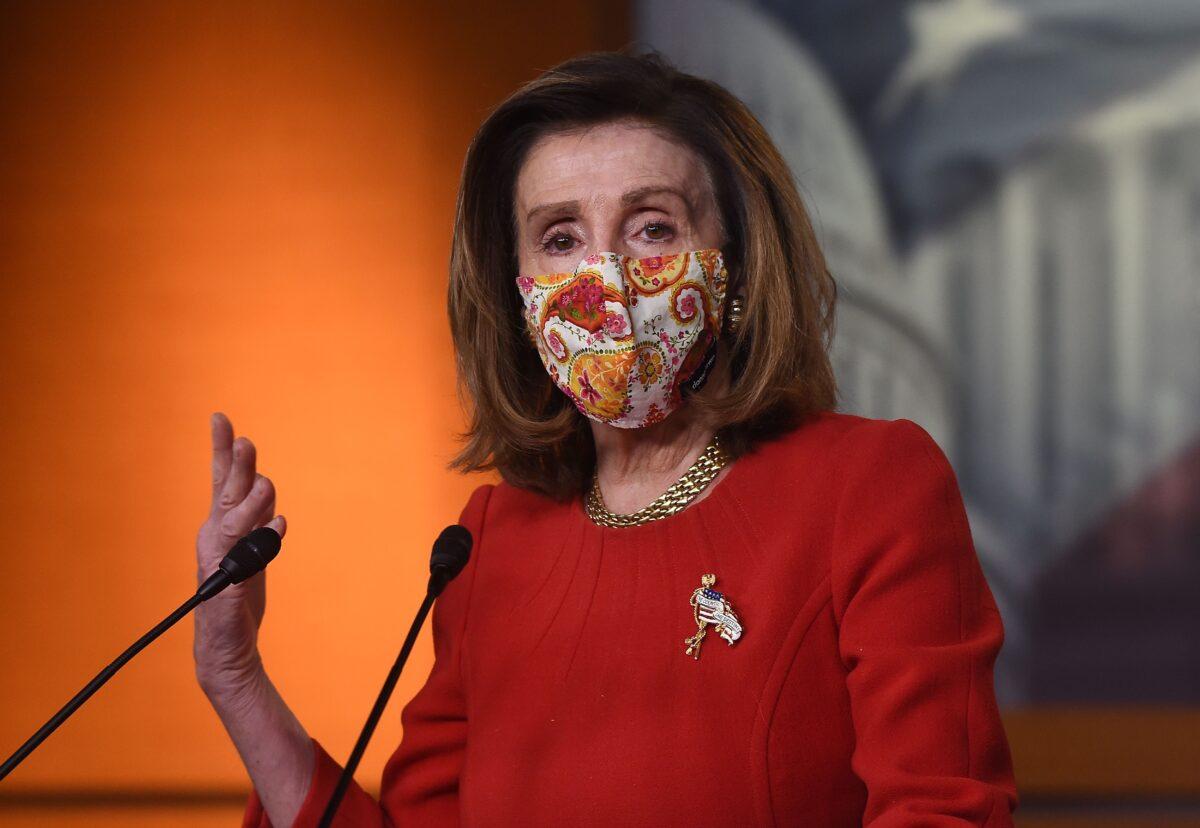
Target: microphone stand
(368, 730)
(450, 553)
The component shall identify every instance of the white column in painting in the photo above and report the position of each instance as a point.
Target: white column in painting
(1126, 157)
(1017, 428)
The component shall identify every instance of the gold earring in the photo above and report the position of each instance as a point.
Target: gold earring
(733, 315)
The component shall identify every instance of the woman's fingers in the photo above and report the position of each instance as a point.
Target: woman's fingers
(266, 515)
(240, 478)
(222, 452)
(279, 524)
(245, 516)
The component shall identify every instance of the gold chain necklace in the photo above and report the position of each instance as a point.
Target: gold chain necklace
(682, 492)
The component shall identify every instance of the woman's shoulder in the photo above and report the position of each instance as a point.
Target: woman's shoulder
(835, 441)
(836, 462)
(501, 508)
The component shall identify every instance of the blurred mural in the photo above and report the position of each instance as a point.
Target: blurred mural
(1009, 195)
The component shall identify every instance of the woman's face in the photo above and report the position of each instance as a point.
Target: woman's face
(619, 187)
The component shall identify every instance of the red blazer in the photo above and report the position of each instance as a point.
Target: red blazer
(860, 691)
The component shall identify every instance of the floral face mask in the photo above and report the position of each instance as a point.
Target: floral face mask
(625, 337)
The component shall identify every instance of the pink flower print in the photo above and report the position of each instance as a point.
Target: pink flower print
(614, 323)
(555, 343)
(593, 296)
(578, 403)
(586, 389)
(525, 283)
(687, 306)
(593, 259)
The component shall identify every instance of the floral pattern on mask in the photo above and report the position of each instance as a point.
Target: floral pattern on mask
(618, 335)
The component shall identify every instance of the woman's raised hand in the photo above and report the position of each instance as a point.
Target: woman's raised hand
(275, 748)
(226, 641)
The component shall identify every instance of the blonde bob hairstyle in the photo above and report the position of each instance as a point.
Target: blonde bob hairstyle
(771, 372)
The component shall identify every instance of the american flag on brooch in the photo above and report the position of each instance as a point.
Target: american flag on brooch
(710, 607)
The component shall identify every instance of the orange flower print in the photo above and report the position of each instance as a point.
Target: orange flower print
(649, 367)
(654, 415)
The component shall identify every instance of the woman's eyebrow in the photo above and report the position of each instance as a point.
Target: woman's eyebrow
(555, 207)
(638, 194)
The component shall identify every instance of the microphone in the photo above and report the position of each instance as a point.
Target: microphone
(249, 556)
(451, 551)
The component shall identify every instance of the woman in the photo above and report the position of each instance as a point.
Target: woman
(700, 595)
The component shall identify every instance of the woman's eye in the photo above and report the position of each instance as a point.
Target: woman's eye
(656, 231)
(559, 243)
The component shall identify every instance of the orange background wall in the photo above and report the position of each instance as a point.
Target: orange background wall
(242, 207)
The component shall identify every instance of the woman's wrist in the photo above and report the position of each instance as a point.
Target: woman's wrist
(274, 746)
(232, 686)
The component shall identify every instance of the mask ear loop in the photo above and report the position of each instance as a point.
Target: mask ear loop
(700, 376)
(732, 320)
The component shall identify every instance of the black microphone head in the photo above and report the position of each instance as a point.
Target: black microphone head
(451, 551)
(251, 554)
